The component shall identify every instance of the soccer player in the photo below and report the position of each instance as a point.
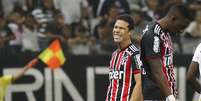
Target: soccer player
(6, 80)
(124, 68)
(158, 81)
(194, 69)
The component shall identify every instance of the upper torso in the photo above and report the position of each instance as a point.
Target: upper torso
(157, 43)
(123, 65)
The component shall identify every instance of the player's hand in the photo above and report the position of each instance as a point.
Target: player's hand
(32, 63)
(170, 98)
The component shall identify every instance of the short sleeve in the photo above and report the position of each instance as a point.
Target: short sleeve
(197, 54)
(151, 45)
(136, 63)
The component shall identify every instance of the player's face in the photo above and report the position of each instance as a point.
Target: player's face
(121, 31)
(179, 24)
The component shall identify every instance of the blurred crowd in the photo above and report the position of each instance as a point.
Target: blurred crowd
(84, 27)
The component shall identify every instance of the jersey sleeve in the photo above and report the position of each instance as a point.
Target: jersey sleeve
(136, 63)
(151, 44)
(197, 54)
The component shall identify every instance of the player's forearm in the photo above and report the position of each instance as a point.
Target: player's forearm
(156, 70)
(192, 76)
(162, 83)
(137, 93)
(195, 84)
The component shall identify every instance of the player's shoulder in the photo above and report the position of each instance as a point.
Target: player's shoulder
(132, 50)
(115, 51)
(152, 28)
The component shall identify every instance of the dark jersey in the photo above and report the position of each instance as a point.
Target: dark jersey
(124, 64)
(156, 43)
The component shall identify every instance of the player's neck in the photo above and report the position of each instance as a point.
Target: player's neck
(163, 23)
(124, 44)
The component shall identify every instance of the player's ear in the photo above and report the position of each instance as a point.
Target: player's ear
(174, 18)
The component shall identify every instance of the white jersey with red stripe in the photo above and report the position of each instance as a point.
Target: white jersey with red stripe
(124, 64)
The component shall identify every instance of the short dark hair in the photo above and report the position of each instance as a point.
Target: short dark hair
(182, 9)
(127, 18)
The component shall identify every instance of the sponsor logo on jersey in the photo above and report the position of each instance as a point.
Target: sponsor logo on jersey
(116, 74)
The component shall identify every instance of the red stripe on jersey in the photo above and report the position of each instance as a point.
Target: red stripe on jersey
(169, 76)
(113, 60)
(127, 80)
(114, 55)
(115, 84)
(136, 71)
(163, 65)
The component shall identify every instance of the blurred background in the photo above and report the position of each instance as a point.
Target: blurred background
(84, 28)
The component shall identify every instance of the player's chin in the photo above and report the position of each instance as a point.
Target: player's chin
(117, 41)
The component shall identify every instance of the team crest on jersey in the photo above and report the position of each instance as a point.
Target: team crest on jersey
(124, 59)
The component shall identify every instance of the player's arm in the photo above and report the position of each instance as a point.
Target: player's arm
(152, 44)
(192, 76)
(137, 91)
(26, 67)
(158, 76)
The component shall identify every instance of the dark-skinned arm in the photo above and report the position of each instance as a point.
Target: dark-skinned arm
(192, 76)
(158, 76)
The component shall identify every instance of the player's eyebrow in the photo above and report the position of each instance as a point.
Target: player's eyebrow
(120, 27)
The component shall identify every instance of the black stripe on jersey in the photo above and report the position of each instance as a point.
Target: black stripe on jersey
(132, 50)
(116, 60)
(120, 83)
